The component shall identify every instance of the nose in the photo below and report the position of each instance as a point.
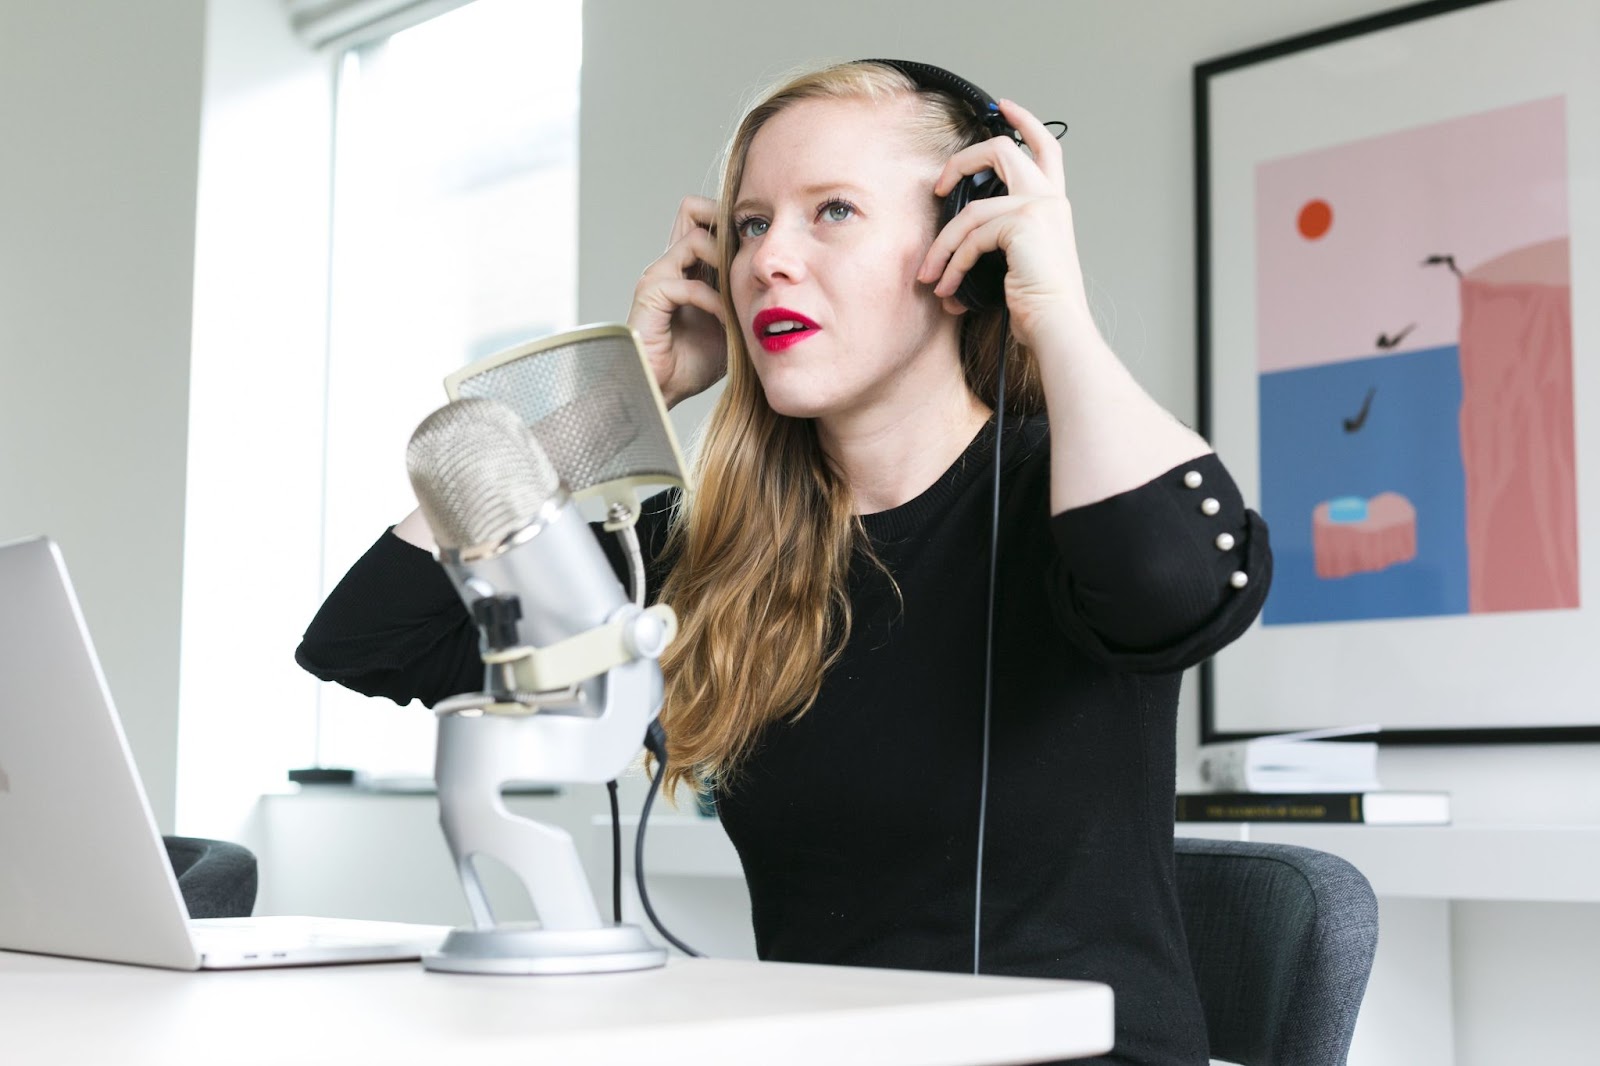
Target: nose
(777, 256)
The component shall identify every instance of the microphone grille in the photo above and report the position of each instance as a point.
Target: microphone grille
(478, 474)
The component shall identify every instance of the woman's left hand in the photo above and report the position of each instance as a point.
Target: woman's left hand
(1031, 224)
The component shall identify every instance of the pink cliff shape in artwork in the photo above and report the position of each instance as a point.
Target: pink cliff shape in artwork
(1517, 441)
(1388, 535)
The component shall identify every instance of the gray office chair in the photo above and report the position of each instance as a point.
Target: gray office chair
(217, 879)
(1281, 940)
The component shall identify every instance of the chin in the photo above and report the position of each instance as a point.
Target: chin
(794, 407)
(794, 400)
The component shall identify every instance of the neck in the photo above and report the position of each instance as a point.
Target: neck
(891, 455)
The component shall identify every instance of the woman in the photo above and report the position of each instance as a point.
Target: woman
(831, 574)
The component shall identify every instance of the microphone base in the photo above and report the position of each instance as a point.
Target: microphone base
(513, 949)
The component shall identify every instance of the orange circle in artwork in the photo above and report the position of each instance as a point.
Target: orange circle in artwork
(1315, 219)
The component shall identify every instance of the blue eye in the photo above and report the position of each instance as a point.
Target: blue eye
(753, 226)
(837, 210)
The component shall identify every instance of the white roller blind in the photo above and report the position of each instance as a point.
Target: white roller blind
(332, 24)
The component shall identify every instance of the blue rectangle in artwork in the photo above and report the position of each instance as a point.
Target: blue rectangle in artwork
(1384, 429)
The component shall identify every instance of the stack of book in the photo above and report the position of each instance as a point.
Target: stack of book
(1304, 777)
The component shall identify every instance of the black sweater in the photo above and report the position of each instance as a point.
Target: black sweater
(857, 822)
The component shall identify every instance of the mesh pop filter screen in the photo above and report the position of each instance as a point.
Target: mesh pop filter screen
(588, 398)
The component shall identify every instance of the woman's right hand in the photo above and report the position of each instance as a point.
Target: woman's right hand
(676, 313)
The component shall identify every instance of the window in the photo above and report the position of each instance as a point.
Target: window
(454, 236)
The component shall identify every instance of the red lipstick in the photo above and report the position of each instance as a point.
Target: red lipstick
(777, 328)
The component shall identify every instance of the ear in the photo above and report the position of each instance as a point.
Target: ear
(953, 306)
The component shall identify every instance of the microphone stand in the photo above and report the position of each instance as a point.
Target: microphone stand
(479, 751)
(575, 711)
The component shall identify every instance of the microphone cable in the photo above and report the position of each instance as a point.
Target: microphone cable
(630, 548)
(656, 741)
(616, 854)
(988, 644)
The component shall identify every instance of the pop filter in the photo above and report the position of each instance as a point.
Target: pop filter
(592, 403)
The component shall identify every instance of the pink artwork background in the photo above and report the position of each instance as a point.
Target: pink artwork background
(1474, 187)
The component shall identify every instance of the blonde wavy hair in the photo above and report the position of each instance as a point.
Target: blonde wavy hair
(761, 558)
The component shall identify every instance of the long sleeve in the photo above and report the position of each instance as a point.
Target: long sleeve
(1165, 575)
(394, 627)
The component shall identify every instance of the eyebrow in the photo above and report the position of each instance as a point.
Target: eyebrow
(818, 189)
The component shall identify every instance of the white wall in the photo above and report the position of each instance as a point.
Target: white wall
(1515, 1003)
(99, 125)
(182, 491)
(252, 566)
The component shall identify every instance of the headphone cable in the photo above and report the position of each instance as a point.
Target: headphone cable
(988, 647)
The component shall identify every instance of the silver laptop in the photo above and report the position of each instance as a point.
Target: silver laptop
(83, 869)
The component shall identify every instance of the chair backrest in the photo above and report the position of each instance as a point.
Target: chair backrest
(217, 879)
(1281, 940)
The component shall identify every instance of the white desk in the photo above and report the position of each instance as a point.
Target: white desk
(706, 1011)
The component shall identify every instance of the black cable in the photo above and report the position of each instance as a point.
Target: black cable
(616, 854)
(656, 740)
(988, 646)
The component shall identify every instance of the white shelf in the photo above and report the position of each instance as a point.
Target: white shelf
(1491, 862)
(1530, 863)
(675, 845)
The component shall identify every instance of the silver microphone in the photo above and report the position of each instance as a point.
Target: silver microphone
(570, 685)
(525, 563)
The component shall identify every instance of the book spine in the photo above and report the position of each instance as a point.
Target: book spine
(1237, 807)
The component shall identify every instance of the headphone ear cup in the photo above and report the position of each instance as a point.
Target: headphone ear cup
(983, 288)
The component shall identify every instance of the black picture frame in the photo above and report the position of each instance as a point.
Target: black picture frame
(1310, 48)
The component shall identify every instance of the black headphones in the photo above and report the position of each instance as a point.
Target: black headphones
(983, 287)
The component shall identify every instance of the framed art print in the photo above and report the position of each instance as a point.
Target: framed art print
(1399, 359)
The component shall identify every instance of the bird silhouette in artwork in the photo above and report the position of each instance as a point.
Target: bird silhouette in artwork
(1360, 419)
(1385, 342)
(1442, 260)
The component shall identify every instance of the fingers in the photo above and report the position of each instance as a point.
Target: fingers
(1040, 141)
(1034, 178)
(656, 301)
(1039, 173)
(694, 212)
(953, 248)
(685, 292)
(979, 231)
(989, 225)
(676, 280)
(1000, 154)
(685, 256)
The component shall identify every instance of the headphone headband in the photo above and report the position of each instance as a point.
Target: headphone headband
(928, 76)
(982, 288)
